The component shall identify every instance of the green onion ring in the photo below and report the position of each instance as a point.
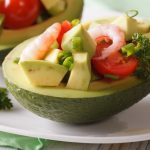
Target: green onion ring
(132, 13)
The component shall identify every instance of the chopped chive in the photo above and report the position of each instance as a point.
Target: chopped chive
(68, 62)
(16, 60)
(128, 49)
(110, 76)
(77, 43)
(62, 56)
(75, 22)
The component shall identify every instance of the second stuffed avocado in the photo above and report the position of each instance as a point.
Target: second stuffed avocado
(11, 38)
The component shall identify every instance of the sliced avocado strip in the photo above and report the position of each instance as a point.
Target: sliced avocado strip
(52, 56)
(130, 26)
(88, 45)
(80, 75)
(14, 37)
(43, 73)
(67, 39)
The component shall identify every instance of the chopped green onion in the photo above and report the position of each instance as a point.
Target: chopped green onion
(68, 63)
(110, 76)
(17, 59)
(128, 49)
(132, 13)
(75, 22)
(65, 58)
(62, 56)
(77, 43)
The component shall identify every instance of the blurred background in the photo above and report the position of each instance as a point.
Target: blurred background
(98, 8)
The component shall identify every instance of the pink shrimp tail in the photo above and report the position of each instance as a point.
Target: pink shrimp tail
(41, 45)
(48, 37)
(114, 33)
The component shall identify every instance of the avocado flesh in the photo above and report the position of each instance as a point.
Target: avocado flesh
(52, 56)
(11, 38)
(130, 26)
(80, 75)
(88, 45)
(20, 78)
(43, 73)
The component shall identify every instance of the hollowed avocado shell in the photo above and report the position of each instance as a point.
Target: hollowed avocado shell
(71, 106)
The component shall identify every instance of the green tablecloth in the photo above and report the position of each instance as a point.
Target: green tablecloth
(21, 142)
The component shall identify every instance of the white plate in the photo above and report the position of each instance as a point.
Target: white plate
(129, 126)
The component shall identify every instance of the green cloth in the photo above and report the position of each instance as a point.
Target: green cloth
(21, 142)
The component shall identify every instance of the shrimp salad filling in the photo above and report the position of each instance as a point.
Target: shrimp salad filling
(73, 54)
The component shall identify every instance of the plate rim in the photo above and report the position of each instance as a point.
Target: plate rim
(78, 139)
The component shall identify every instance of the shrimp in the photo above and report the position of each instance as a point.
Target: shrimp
(39, 47)
(114, 33)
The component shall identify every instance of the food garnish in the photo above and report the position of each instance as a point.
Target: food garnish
(5, 102)
(140, 48)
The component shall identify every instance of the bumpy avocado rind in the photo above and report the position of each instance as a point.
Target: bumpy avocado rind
(79, 110)
(71, 106)
(11, 38)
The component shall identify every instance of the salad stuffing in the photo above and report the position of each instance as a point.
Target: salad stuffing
(77, 51)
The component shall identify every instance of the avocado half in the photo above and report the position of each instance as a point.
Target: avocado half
(11, 38)
(101, 101)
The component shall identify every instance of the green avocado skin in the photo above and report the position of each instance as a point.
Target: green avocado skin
(79, 110)
(3, 54)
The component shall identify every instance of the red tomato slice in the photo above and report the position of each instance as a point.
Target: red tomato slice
(19, 13)
(116, 65)
(102, 42)
(65, 26)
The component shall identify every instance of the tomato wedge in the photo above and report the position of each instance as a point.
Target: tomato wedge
(65, 26)
(116, 64)
(102, 42)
